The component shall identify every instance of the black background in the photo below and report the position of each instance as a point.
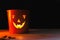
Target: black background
(43, 13)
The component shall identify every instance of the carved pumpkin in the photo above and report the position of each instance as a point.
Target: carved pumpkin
(18, 21)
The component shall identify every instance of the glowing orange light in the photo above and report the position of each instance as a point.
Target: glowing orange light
(13, 16)
(9, 14)
(18, 25)
(18, 21)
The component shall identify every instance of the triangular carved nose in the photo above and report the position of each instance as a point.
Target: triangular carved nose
(18, 21)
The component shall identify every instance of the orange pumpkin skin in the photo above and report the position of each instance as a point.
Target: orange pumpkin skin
(18, 21)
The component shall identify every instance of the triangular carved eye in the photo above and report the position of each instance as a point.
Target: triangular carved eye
(24, 16)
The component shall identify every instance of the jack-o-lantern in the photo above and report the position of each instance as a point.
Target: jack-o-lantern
(18, 21)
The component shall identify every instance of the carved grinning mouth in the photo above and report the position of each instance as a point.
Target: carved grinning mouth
(19, 25)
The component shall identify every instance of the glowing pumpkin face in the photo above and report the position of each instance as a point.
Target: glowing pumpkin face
(19, 19)
(18, 23)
